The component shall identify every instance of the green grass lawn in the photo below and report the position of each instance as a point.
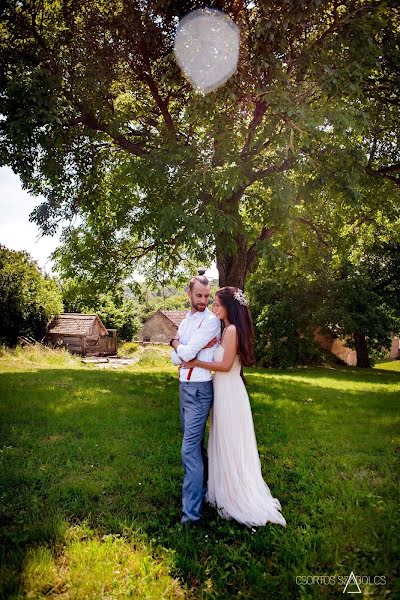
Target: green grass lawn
(389, 365)
(91, 485)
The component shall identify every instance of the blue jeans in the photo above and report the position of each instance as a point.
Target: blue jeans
(196, 399)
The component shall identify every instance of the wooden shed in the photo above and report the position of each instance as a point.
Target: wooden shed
(82, 334)
(394, 352)
(338, 347)
(162, 326)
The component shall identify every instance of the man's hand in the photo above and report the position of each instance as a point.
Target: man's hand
(211, 343)
(190, 364)
(175, 343)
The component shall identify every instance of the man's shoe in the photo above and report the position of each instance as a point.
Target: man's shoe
(190, 523)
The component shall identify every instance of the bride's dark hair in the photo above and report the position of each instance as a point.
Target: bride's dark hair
(239, 315)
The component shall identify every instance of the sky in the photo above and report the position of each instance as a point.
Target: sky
(18, 233)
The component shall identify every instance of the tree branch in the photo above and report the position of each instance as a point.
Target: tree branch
(147, 77)
(373, 150)
(384, 172)
(363, 218)
(284, 166)
(161, 103)
(315, 229)
(390, 169)
(90, 121)
(252, 252)
(259, 112)
(143, 251)
(338, 23)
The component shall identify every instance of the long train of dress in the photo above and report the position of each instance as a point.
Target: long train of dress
(235, 483)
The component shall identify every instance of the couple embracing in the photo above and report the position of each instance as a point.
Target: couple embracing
(228, 475)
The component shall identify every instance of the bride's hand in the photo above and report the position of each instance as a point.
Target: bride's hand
(189, 364)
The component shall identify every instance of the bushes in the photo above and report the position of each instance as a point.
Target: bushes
(284, 325)
(128, 349)
(287, 308)
(40, 355)
(28, 299)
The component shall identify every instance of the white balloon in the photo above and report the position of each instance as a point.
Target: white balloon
(207, 48)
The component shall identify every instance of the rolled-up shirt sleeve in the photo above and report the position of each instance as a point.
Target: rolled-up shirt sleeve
(175, 358)
(209, 329)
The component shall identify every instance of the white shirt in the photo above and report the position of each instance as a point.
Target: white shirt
(195, 331)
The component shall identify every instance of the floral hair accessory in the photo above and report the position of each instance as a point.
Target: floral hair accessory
(240, 297)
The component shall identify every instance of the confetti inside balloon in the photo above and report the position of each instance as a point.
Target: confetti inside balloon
(207, 48)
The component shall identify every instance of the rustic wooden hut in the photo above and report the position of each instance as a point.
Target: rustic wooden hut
(162, 326)
(82, 334)
(394, 352)
(337, 346)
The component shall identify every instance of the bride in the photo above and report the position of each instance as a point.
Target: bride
(235, 483)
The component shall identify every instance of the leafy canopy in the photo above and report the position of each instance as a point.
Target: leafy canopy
(97, 117)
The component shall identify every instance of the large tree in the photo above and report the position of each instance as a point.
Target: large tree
(97, 117)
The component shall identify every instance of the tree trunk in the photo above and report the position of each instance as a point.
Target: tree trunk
(236, 256)
(362, 351)
(232, 264)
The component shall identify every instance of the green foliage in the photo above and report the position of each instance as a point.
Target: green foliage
(115, 309)
(128, 349)
(176, 302)
(97, 118)
(351, 305)
(28, 299)
(382, 266)
(344, 298)
(283, 313)
(119, 313)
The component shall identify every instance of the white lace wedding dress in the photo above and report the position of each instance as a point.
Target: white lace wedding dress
(235, 483)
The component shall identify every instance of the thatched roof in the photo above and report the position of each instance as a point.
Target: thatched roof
(176, 316)
(74, 324)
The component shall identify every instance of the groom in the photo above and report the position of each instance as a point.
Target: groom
(197, 334)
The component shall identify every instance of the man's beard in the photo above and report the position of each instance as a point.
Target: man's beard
(199, 308)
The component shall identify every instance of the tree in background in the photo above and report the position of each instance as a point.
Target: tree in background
(283, 303)
(363, 301)
(113, 307)
(329, 288)
(353, 307)
(97, 117)
(28, 299)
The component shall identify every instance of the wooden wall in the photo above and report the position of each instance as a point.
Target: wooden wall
(158, 328)
(74, 344)
(395, 349)
(91, 345)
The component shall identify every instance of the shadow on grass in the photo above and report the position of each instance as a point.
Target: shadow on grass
(103, 448)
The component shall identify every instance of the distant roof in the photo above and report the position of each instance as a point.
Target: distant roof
(176, 316)
(73, 324)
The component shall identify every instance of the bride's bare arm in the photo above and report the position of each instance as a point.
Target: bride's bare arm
(230, 349)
